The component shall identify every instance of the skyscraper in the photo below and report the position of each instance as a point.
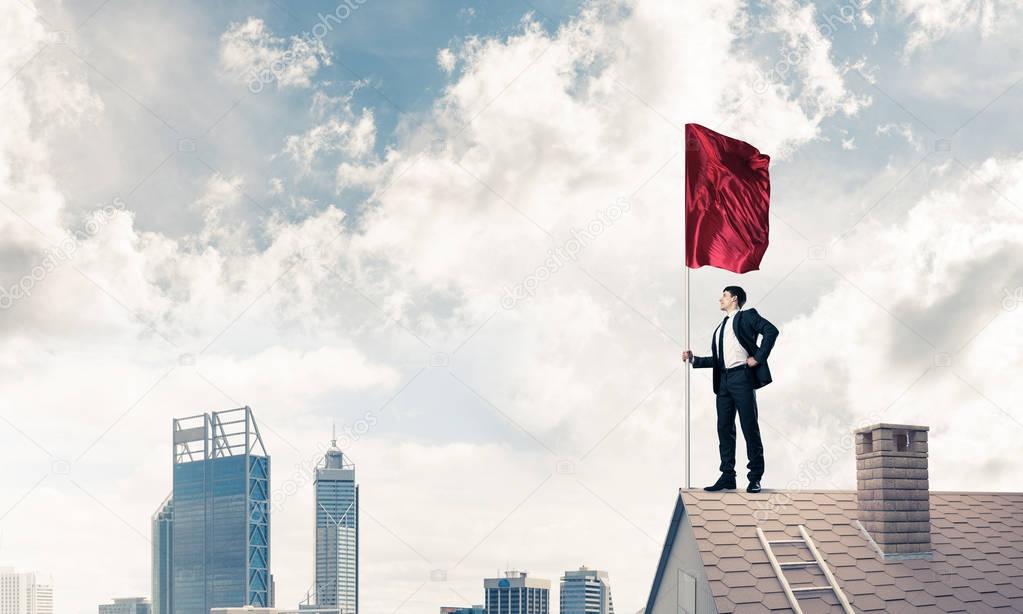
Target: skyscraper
(127, 605)
(220, 542)
(586, 591)
(23, 593)
(162, 528)
(516, 593)
(337, 532)
(41, 599)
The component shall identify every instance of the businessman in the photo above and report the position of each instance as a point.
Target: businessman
(740, 367)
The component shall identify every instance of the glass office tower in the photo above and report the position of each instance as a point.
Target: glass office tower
(220, 544)
(163, 525)
(337, 532)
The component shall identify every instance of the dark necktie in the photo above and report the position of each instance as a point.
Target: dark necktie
(721, 342)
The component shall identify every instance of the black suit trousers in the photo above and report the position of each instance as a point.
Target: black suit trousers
(736, 395)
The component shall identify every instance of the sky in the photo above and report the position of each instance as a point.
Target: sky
(454, 229)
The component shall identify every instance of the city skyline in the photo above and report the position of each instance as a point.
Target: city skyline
(221, 435)
(204, 442)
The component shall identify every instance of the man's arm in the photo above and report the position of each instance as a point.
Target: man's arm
(699, 362)
(768, 330)
(703, 362)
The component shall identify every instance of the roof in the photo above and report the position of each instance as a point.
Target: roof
(976, 563)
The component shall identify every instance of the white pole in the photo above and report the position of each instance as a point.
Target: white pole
(687, 368)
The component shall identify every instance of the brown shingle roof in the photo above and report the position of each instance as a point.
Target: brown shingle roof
(976, 565)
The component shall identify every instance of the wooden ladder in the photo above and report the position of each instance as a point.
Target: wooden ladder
(779, 569)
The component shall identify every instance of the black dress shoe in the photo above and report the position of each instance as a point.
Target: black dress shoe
(723, 483)
(754, 486)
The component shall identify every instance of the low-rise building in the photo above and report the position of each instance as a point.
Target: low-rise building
(127, 605)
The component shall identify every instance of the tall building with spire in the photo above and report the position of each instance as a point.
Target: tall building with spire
(220, 540)
(337, 532)
(586, 591)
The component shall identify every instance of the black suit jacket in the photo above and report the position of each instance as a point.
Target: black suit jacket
(748, 326)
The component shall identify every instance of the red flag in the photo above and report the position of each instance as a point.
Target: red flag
(728, 190)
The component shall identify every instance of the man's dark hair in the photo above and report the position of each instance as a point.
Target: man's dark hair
(738, 293)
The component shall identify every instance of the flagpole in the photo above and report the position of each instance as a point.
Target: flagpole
(685, 290)
(687, 368)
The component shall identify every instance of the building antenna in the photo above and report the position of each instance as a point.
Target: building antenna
(333, 434)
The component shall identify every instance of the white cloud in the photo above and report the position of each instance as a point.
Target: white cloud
(609, 97)
(354, 137)
(219, 206)
(339, 130)
(933, 20)
(36, 83)
(911, 310)
(824, 88)
(251, 54)
(903, 130)
(446, 60)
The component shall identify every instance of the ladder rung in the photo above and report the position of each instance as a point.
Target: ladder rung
(787, 541)
(798, 563)
(807, 589)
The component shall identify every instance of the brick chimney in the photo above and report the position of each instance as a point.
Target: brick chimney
(893, 501)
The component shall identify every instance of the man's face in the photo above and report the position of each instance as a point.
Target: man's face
(727, 301)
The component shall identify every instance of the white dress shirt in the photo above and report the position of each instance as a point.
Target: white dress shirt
(734, 354)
